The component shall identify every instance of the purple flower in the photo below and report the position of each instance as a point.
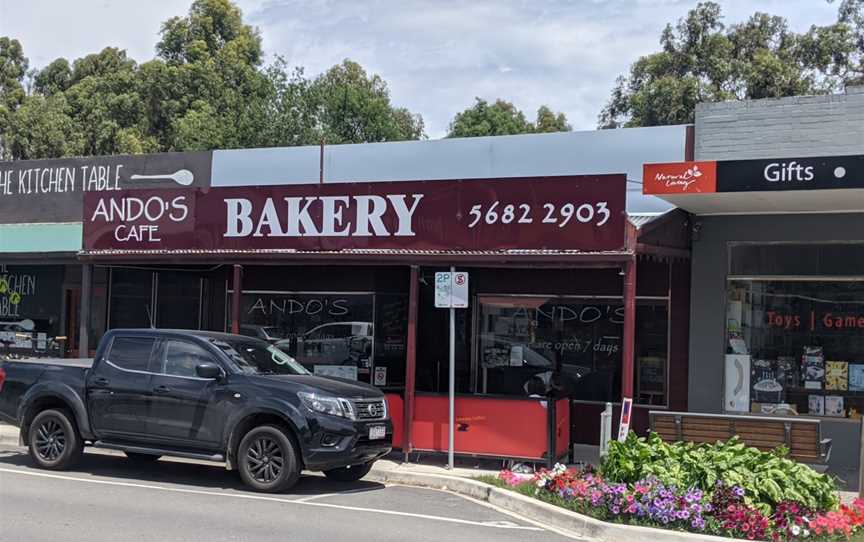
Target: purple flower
(698, 523)
(616, 510)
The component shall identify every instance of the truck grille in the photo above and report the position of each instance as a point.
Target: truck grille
(375, 409)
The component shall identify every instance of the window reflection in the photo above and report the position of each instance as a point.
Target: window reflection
(800, 345)
(528, 345)
(329, 334)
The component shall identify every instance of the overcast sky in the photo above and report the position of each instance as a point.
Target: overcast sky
(436, 55)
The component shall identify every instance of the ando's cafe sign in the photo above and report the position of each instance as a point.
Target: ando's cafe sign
(570, 212)
(769, 175)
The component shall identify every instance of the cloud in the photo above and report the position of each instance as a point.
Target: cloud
(435, 55)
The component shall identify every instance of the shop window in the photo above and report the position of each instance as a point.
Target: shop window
(433, 333)
(131, 304)
(178, 300)
(31, 311)
(795, 347)
(167, 299)
(391, 339)
(797, 259)
(330, 334)
(98, 305)
(527, 344)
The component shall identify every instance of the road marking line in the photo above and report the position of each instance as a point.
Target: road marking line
(504, 511)
(273, 499)
(313, 497)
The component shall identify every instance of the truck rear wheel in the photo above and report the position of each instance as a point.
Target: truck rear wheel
(267, 460)
(54, 441)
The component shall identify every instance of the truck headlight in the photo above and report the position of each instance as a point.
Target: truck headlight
(334, 406)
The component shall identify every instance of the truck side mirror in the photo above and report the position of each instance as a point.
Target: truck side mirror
(209, 370)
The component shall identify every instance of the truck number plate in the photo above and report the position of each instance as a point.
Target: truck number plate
(377, 432)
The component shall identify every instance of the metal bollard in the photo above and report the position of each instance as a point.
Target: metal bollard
(605, 429)
(861, 460)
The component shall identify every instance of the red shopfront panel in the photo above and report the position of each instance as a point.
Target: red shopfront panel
(484, 426)
(396, 408)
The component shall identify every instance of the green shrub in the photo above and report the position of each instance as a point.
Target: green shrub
(767, 478)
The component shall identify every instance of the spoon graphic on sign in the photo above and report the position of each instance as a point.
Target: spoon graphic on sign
(183, 176)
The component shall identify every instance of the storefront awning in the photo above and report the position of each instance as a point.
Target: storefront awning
(371, 256)
(41, 238)
(771, 186)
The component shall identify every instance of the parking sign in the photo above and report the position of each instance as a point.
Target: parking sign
(451, 290)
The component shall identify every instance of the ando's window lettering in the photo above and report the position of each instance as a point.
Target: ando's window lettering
(318, 330)
(531, 344)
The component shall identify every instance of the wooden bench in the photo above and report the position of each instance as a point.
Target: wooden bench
(802, 436)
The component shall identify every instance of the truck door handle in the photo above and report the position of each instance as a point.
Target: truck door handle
(161, 389)
(101, 382)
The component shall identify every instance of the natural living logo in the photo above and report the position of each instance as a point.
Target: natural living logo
(680, 178)
(684, 180)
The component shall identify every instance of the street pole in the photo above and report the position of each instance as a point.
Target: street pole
(452, 417)
(861, 459)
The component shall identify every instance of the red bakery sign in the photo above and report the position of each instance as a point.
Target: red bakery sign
(573, 212)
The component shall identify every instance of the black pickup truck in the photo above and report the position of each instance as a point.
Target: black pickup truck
(198, 395)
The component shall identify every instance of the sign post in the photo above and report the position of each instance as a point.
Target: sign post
(624, 423)
(451, 292)
(451, 419)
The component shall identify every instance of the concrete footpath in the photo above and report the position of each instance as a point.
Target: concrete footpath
(8, 435)
(463, 481)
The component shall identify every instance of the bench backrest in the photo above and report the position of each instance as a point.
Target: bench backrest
(801, 436)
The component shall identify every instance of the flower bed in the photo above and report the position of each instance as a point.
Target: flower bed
(696, 488)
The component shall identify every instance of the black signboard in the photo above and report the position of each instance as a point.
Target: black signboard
(781, 174)
(53, 190)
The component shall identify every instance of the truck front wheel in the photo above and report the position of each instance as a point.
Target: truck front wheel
(267, 460)
(54, 442)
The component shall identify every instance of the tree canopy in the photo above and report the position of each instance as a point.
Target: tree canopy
(703, 60)
(206, 88)
(503, 118)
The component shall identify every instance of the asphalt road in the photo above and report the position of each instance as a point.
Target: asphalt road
(107, 497)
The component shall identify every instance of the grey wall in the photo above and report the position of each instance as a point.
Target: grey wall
(708, 302)
(785, 127)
